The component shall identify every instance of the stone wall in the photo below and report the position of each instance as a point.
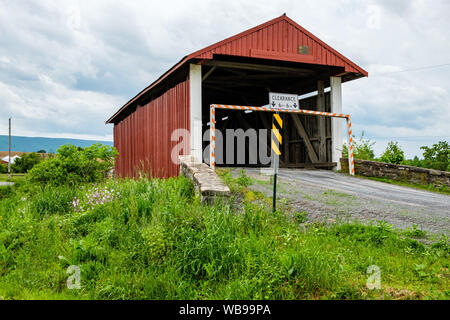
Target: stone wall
(399, 172)
(206, 181)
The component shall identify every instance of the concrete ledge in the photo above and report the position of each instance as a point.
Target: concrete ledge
(399, 172)
(206, 181)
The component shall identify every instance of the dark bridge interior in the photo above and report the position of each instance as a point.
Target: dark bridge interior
(306, 138)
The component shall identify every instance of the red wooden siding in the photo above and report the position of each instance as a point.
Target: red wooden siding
(279, 39)
(144, 137)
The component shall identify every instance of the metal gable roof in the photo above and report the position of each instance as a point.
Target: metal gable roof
(278, 39)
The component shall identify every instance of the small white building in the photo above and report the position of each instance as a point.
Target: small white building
(13, 159)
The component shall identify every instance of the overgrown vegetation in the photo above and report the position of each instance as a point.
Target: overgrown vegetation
(435, 157)
(430, 187)
(22, 164)
(393, 154)
(26, 162)
(362, 148)
(237, 185)
(3, 168)
(152, 239)
(73, 165)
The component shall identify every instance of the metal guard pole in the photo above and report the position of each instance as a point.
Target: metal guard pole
(212, 138)
(351, 161)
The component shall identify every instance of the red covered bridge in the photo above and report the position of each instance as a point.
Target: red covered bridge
(277, 56)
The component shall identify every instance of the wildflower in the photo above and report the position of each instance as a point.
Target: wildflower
(94, 197)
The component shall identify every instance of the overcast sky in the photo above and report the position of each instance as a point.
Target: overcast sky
(67, 66)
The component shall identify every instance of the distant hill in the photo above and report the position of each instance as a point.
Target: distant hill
(50, 145)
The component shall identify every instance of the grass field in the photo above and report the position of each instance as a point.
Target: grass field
(14, 177)
(152, 239)
(442, 189)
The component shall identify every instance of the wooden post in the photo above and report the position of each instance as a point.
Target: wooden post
(286, 140)
(302, 132)
(9, 152)
(321, 122)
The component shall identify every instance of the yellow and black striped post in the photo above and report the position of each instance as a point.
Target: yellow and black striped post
(277, 125)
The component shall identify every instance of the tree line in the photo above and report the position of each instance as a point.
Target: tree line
(69, 163)
(436, 156)
(25, 163)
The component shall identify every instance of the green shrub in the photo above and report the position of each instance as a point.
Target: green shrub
(3, 168)
(243, 180)
(393, 154)
(235, 184)
(374, 235)
(438, 156)
(73, 165)
(5, 191)
(362, 149)
(415, 232)
(26, 162)
(300, 217)
(442, 244)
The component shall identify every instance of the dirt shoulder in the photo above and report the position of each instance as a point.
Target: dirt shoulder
(326, 195)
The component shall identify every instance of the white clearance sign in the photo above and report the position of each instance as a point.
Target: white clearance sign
(283, 101)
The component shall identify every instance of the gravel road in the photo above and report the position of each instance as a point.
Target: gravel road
(329, 195)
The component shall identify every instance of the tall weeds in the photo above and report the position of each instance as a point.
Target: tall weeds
(154, 240)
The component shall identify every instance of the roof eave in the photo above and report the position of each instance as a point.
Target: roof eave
(151, 86)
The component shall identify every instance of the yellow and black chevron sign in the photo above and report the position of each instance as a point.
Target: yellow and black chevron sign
(277, 125)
